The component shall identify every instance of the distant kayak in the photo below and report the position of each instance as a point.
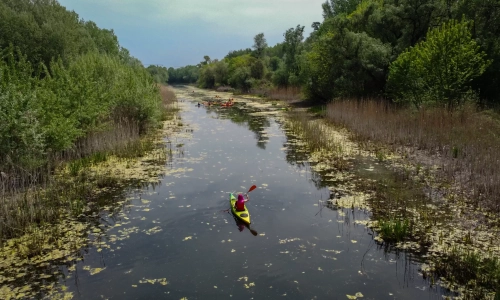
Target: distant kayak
(243, 215)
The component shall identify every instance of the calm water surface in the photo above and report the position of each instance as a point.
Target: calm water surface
(299, 252)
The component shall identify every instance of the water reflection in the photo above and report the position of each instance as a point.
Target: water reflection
(240, 114)
(242, 225)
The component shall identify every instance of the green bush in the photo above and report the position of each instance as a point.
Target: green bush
(440, 69)
(49, 114)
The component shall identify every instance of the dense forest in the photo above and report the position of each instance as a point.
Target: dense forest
(417, 52)
(62, 79)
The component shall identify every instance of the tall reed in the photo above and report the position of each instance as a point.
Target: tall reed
(464, 143)
(285, 93)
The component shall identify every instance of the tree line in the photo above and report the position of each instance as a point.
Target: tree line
(418, 52)
(61, 79)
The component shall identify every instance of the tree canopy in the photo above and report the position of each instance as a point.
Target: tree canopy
(62, 79)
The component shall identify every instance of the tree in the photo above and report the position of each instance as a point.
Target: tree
(291, 48)
(221, 73)
(159, 73)
(206, 60)
(439, 69)
(257, 69)
(105, 40)
(259, 45)
(486, 17)
(346, 63)
(333, 8)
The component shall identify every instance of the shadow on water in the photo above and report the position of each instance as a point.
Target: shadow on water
(242, 225)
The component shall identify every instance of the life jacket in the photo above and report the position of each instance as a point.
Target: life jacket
(240, 203)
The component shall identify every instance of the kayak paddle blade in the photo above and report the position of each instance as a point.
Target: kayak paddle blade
(253, 187)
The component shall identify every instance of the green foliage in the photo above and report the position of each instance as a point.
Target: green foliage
(240, 78)
(187, 74)
(440, 69)
(44, 30)
(236, 53)
(333, 8)
(207, 76)
(395, 230)
(486, 16)
(346, 63)
(214, 74)
(21, 136)
(257, 69)
(260, 45)
(40, 115)
(292, 48)
(221, 73)
(105, 40)
(280, 76)
(274, 63)
(159, 74)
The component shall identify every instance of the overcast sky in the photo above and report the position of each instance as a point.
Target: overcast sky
(176, 33)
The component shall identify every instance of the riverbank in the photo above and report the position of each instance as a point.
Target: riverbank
(413, 206)
(419, 207)
(77, 197)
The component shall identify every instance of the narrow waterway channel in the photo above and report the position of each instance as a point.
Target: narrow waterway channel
(176, 240)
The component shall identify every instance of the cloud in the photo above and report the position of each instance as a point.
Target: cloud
(228, 16)
(180, 32)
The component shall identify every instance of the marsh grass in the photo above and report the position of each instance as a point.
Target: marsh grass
(318, 110)
(469, 268)
(464, 143)
(285, 93)
(395, 230)
(313, 133)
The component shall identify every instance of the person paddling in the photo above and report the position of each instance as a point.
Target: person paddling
(240, 203)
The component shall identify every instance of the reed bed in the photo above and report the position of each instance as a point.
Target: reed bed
(319, 139)
(464, 143)
(285, 93)
(406, 203)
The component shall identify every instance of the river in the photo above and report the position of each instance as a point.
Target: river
(177, 240)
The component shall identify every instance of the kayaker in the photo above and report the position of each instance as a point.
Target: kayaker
(240, 203)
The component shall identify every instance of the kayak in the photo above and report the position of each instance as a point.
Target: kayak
(243, 215)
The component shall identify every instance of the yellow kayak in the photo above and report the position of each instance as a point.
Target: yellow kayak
(243, 215)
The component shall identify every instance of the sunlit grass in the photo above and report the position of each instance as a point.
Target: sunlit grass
(395, 230)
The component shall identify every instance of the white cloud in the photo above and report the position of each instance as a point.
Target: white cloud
(180, 32)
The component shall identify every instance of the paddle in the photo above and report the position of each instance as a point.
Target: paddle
(254, 233)
(253, 187)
